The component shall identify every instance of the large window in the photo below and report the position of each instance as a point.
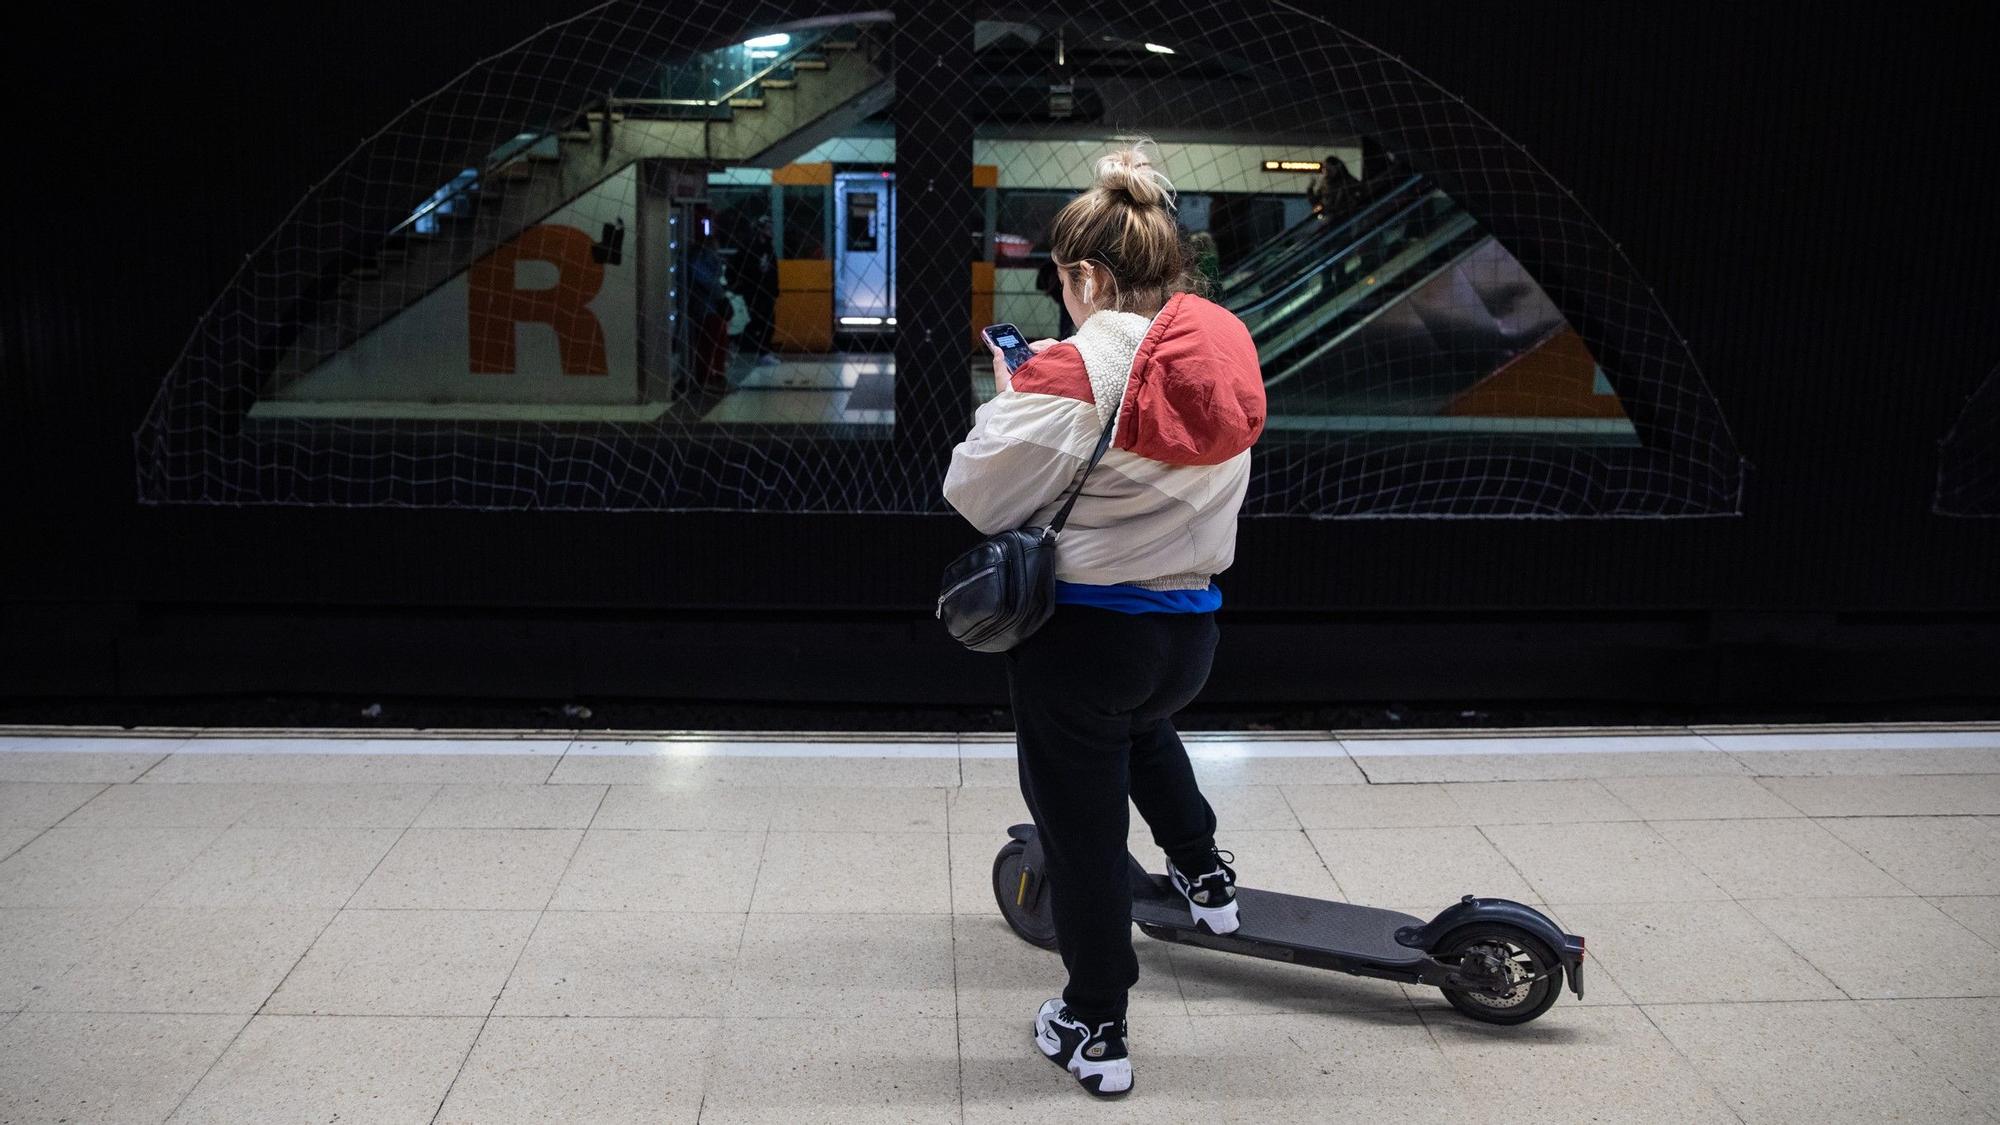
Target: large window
(672, 282)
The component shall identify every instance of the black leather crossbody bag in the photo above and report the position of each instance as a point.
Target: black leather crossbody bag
(997, 594)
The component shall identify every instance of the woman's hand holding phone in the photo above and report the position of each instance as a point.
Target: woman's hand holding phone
(1003, 379)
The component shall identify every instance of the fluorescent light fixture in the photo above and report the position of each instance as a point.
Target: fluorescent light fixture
(1158, 49)
(1292, 166)
(778, 40)
(892, 320)
(763, 54)
(861, 321)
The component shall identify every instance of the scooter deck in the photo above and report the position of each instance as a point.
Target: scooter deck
(1268, 918)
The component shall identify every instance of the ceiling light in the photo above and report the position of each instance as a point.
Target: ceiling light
(1159, 50)
(778, 40)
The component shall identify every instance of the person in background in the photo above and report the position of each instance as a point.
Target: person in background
(754, 277)
(1335, 192)
(1207, 259)
(707, 308)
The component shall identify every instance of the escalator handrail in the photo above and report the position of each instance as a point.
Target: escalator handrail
(1301, 234)
(1289, 240)
(1280, 257)
(1346, 237)
(1344, 251)
(1293, 367)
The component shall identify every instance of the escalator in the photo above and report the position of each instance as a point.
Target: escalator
(1310, 239)
(1410, 317)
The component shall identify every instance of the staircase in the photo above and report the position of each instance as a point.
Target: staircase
(824, 82)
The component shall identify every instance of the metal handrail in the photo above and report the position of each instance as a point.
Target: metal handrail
(784, 58)
(513, 150)
(434, 204)
(1439, 239)
(1346, 249)
(1278, 252)
(1342, 236)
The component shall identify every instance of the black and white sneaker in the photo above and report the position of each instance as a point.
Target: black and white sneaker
(1211, 898)
(1095, 1055)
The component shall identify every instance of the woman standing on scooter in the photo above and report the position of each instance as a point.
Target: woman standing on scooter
(1094, 691)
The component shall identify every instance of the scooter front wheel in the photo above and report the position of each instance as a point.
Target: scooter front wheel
(1526, 973)
(1023, 894)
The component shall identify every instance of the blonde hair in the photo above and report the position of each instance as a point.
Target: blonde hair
(1125, 224)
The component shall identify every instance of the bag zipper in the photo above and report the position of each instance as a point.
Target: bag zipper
(960, 585)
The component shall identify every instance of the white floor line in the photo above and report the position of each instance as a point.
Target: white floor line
(1210, 745)
(1841, 728)
(62, 744)
(1871, 740)
(1419, 733)
(693, 748)
(1486, 746)
(86, 730)
(352, 747)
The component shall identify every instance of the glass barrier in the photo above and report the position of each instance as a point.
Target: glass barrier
(1313, 236)
(1291, 308)
(595, 272)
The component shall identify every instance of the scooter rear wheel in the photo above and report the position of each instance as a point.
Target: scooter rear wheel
(1023, 895)
(1524, 958)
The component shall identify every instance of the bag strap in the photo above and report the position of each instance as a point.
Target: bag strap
(1103, 443)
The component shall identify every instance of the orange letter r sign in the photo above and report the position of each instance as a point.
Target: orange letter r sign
(495, 305)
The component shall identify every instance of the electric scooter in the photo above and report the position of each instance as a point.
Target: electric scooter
(1496, 961)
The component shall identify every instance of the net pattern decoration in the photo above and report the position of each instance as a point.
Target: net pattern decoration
(1969, 457)
(647, 259)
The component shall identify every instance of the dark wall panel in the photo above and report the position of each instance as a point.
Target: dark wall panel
(1810, 199)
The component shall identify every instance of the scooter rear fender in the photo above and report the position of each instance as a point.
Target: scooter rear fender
(1469, 910)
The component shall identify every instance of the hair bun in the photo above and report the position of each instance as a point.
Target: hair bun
(1131, 171)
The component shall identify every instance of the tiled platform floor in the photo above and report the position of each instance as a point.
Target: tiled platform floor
(1784, 926)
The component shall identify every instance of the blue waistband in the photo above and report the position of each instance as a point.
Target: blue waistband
(1127, 598)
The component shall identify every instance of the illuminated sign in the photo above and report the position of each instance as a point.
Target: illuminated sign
(1062, 100)
(1292, 166)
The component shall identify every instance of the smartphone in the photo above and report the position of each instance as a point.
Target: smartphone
(1011, 343)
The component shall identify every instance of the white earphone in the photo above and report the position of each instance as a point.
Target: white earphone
(1089, 284)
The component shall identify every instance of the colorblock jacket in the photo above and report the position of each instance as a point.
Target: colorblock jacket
(1160, 509)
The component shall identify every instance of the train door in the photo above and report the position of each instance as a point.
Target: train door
(864, 241)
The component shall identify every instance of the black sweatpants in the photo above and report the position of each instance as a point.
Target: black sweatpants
(1094, 694)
